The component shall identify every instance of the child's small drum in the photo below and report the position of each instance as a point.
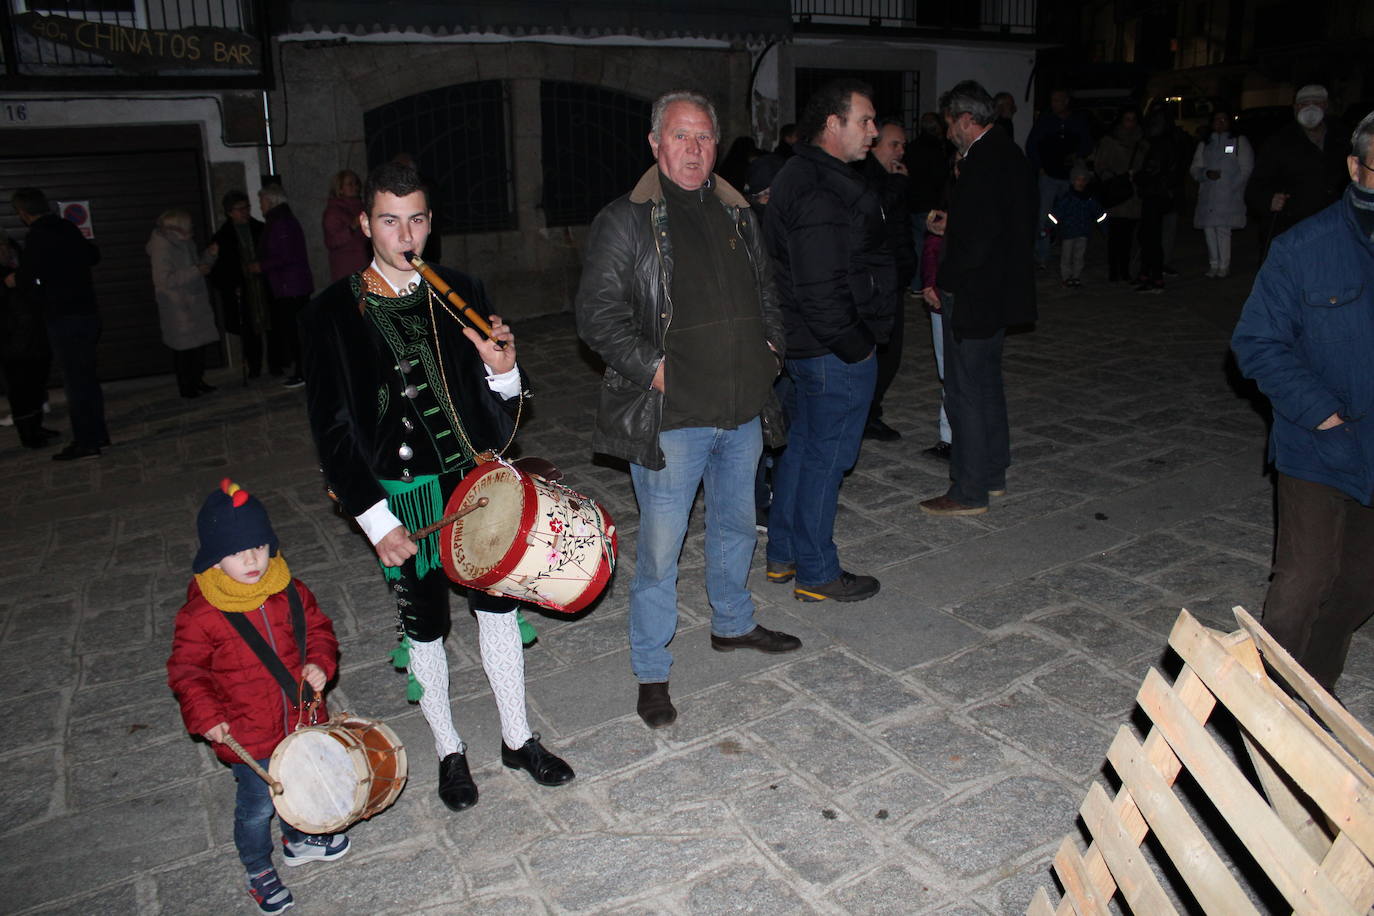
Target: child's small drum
(337, 773)
(535, 540)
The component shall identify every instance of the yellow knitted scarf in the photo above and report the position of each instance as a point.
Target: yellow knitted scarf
(240, 597)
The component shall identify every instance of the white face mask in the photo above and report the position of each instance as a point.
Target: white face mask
(1310, 116)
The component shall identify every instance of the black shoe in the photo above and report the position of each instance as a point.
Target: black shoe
(780, 572)
(880, 431)
(547, 769)
(294, 381)
(939, 450)
(655, 707)
(76, 452)
(456, 788)
(848, 587)
(190, 393)
(205, 387)
(761, 638)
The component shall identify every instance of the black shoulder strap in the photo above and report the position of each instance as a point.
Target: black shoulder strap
(264, 652)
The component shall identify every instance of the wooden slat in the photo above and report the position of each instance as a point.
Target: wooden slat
(1350, 871)
(1078, 887)
(1134, 878)
(1292, 870)
(1040, 904)
(1288, 803)
(1210, 881)
(1345, 795)
(1354, 736)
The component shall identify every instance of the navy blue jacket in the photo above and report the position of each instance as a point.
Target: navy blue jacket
(1305, 337)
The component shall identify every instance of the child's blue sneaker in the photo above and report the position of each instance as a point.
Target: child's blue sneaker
(268, 892)
(324, 847)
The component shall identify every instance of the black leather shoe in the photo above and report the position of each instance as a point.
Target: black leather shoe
(76, 452)
(456, 787)
(847, 587)
(655, 707)
(880, 431)
(938, 451)
(761, 638)
(547, 769)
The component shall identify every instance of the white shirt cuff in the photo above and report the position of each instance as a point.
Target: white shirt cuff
(377, 522)
(507, 384)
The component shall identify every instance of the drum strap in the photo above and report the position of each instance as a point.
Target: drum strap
(264, 652)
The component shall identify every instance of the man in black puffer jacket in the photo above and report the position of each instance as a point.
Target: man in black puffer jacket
(837, 283)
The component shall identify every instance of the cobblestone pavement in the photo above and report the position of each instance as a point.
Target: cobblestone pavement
(924, 753)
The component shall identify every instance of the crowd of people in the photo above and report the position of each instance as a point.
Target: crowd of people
(749, 335)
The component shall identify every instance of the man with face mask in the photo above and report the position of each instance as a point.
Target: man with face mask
(1301, 169)
(1304, 337)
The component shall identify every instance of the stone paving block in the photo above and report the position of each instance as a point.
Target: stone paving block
(721, 708)
(817, 843)
(742, 890)
(613, 747)
(1067, 741)
(1146, 554)
(33, 719)
(828, 750)
(54, 622)
(889, 891)
(497, 876)
(501, 824)
(118, 900)
(1228, 534)
(32, 780)
(589, 637)
(877, 553)
(111, 627)
(896, 629)
(1209, 574)
(1010, 605)
(114, 840)
(1013, 895)
(1106, 697)
(691, 777)
(589, 872)
(891, 799)
(988, 668)
(1017, 508)
(852, 688)
(386, 884)
(124, 775)
(949, 751)
(1108, 590)
(31, 667)
(992, 826)
(124, 730)
(504, 905)
(99, 700)
(1256, 509)
(373, 689)
(1106, 636)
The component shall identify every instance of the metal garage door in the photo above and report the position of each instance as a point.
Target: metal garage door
(129, 176)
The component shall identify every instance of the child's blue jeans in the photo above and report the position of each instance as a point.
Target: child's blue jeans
(253, 813)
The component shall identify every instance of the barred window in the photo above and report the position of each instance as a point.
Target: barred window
(460, 139)
(595, 147)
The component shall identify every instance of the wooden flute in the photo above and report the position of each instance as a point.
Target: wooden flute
(447, 292)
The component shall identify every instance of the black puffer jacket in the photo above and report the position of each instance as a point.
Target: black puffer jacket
(828, 241)
(624, 307)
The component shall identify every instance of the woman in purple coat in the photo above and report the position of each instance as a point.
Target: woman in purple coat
(286, 267)
(349, 250)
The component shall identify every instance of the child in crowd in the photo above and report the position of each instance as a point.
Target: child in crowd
(1074, 213)
(225, 687)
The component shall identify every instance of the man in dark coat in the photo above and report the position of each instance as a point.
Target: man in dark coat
(887, 173)
(237, 276)
(1301, 169)
(402, 399)
(836, 282)
(986, 283)
(55, 271)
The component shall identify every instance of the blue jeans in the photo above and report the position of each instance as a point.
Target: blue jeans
(726, 461)
(253, 813)
(977, 406)
(827, 423)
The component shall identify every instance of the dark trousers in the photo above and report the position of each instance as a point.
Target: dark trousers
(283, 341)
(889, 356)
(1152, 238)
(422, 602)
(977, 408)
(189, 366)
(1323, 584)
(1120, 235)
(74, 339)
(252, 353)
(253, 813)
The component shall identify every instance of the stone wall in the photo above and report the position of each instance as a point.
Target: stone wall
(531, 270)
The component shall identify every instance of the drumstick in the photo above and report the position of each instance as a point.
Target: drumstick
(248, 759)
(448, 519)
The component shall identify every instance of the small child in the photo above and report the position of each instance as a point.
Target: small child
(1074, 213)
(225, 688)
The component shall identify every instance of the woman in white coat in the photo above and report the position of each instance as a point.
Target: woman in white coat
(1221, 166)
(183, 299)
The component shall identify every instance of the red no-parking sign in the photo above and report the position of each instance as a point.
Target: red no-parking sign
(77, 212)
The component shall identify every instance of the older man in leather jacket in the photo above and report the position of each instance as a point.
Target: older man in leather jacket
(677, 298)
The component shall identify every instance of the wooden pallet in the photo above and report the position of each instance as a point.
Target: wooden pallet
(1305, 813)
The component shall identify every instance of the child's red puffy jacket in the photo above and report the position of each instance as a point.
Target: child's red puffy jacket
(217, 678)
